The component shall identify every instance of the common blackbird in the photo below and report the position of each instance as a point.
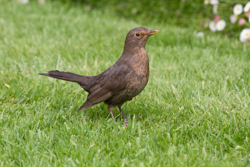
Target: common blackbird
(120, 82)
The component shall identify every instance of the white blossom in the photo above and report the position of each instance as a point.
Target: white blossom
(200, 34)
(214, 2)
(238, 8)
(245, 35)
(247, 7)
(220, 25)
(23, 1)
(212, 26)
(215, 9)
(233, 19)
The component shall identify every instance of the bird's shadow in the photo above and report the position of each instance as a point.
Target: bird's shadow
(101, 111)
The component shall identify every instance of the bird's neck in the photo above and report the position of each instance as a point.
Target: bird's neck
(137, 60)
(132, 46)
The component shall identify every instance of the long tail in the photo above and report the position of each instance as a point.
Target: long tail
(68, 76)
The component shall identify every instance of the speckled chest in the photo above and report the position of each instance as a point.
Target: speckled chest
(140, 67)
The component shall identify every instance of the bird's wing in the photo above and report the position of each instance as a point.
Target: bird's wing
(106, 84)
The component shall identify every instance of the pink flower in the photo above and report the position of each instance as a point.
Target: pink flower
(216, 18)
(233, 19)
(247, 14)
(241, 21)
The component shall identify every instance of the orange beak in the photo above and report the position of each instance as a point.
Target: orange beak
(152, 32)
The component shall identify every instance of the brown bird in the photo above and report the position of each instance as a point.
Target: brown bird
(122, 81)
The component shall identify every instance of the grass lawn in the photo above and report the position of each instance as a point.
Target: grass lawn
(193, 112)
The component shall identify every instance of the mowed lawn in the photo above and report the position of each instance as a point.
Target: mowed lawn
(195, 110)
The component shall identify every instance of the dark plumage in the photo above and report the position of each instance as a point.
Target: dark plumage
(122, 81)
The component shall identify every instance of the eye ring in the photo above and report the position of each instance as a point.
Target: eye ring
(137, 34)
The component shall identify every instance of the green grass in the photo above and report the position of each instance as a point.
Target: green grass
(193, 112)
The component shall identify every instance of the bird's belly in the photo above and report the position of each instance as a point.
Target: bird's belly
(133, 89)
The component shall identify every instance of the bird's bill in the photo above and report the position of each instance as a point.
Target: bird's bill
(152, 32)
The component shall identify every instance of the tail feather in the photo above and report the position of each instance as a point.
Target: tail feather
(86, 105)
(67, 76)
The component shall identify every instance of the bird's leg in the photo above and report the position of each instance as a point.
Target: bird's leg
(110, 108)
(123, 116)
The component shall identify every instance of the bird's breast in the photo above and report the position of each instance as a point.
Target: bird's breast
(139, 63)
(140, 72)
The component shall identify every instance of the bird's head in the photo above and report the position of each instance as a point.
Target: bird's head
(137, 38)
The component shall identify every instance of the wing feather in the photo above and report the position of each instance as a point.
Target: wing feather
(106, 84)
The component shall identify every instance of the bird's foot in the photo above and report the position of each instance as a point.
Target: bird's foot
(126, 123)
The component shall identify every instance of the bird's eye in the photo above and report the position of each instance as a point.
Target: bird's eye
(137, 34)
